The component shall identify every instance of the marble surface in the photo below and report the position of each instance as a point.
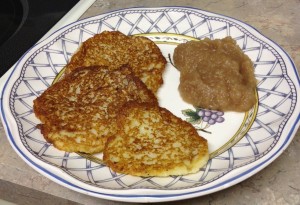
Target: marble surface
(278, 183)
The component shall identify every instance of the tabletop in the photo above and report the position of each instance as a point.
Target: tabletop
(278, 183)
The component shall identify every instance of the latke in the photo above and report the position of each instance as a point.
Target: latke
(151, 141)
(114, 49)
(78, 113)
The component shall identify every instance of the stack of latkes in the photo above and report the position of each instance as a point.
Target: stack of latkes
(106, 103)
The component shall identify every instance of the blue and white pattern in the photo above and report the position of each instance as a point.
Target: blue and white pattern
(273, 128)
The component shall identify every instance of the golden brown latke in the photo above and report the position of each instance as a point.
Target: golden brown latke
(151, 141)
(114, 49)
(78, 113)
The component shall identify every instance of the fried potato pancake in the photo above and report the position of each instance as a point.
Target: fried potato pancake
(151, 141)
(114, 49)
(78, 113)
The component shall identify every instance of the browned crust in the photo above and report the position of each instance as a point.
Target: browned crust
(78, 113)
(113, 49)
(168, 130)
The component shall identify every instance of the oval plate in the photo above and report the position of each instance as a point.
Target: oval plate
(241, 144)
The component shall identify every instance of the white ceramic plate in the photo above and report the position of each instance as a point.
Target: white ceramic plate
(240, 144)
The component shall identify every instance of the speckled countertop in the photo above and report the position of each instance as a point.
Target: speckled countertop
(278, 183)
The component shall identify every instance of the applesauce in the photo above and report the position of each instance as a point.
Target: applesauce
(215, 74)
